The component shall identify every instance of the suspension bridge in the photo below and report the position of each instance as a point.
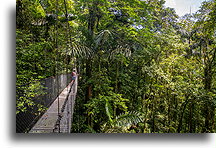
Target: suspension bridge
(60, 93)
(59, 115)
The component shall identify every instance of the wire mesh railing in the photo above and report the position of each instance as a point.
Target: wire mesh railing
(39, 98)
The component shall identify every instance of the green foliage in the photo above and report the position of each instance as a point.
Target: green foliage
(25, 100)
(142, 68)
(122, 123)
(105, 105)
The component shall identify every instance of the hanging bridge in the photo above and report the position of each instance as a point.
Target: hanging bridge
(59, 99)
(59, 92)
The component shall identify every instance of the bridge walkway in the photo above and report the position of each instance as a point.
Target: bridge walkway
(58, 117)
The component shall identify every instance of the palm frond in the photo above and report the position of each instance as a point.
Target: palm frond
(124, 50)
(103, 37)
(108, 110)
(114, 130)
(122, 122)
(77, 50)
(128, 119)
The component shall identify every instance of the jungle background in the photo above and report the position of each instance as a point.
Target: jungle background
(142, 68)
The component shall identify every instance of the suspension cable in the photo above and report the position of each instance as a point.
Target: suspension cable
(67, 46)
(57, 79)
(66, 61)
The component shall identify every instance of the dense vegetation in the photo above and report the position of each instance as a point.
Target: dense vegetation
(142, 68)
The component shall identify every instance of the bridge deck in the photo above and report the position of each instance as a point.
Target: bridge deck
(59, 115)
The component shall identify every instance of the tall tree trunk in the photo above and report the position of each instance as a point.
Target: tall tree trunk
(88, 76)
(207, 85)
(91, 26)
(183, 107)
(191, 129)
(207, 77)
(117, 75)
(207, 119)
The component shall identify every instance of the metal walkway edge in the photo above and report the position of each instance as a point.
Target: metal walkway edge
(51, 121)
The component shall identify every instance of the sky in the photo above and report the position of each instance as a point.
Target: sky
(183, 6)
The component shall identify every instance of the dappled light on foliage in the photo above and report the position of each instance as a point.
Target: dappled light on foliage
(142, 68)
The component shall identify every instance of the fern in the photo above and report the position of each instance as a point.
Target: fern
(122, 122)
(128, 119)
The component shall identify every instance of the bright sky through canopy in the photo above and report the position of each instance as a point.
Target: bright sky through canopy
(183, 6)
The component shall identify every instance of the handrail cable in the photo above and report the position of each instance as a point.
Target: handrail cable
(67, 30)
